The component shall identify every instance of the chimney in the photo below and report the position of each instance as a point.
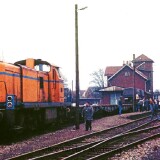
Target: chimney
(133, 59)
(133, 56)
(123, 63)
(127, 62)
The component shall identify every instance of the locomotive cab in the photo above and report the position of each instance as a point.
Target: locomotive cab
(51, 85)
(31, 92)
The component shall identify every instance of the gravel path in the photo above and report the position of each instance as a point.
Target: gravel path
(7, 151)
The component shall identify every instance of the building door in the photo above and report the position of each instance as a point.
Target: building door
(114, 98)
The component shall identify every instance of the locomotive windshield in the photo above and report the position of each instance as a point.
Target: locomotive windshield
(43, 67)
(59, 72)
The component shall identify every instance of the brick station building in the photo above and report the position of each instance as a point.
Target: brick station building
(135, 77)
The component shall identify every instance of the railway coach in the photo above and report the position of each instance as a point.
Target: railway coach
(31, 93)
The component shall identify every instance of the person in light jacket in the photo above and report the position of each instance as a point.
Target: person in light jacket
(88, 116)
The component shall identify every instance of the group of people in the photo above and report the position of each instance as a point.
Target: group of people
(151, 104)
(154, 104)
(142, 105)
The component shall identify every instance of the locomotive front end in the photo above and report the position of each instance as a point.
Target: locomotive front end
(3, 92)
(9, 75)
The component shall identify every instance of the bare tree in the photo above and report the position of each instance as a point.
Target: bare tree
(98, 78)
(157, 91)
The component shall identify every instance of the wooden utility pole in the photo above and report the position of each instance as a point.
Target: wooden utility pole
(133, 83)
(77, 66)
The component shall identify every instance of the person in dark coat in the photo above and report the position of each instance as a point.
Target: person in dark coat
(141, 102)
(146, 104)
(154, 108)
(120, 105)
(88, 116)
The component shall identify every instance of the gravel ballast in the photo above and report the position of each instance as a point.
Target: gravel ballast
(148, 149)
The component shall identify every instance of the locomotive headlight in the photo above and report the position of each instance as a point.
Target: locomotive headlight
(9, 104)
(9, 98)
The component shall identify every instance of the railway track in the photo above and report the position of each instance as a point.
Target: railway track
(118, 143)
(79, 144)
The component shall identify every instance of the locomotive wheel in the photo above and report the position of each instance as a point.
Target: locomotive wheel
(31, 123)
(33, 120)
(1, 116)
(21, 120)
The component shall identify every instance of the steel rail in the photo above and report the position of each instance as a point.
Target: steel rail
(100, 150)
(78, 149)
(61, 146)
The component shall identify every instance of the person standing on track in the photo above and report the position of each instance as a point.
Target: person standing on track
(87, 112)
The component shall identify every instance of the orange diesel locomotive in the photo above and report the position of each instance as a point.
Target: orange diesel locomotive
(31, 92)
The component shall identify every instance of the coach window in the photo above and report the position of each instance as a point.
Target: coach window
(41, 82)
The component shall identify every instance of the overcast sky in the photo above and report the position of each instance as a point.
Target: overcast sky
(110, 32)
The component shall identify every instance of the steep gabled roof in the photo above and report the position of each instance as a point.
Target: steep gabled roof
(137, 71)
(110, 70)
(143, 58)
(81, 92)
(141, 74)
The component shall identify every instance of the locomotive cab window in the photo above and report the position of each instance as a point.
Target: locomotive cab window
(59, 72)
(41, 82)
(43, 67)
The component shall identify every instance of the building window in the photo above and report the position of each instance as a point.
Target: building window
(142, 67)
(149, 75)
(127, 74)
